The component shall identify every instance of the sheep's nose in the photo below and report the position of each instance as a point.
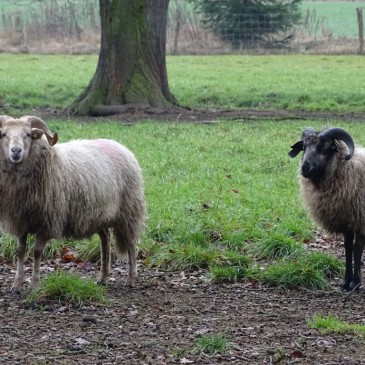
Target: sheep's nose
(16, 150)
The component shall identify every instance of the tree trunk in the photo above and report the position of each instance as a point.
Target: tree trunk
(131, 70)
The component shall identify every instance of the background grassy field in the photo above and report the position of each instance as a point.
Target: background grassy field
(265, 82)
(221, 196)
(335, 17)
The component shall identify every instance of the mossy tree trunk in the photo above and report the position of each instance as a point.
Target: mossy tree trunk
(131, 70)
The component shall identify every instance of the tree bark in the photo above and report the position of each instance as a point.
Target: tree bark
(132, 61)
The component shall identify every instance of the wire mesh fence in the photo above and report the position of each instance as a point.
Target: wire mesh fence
(54, 26)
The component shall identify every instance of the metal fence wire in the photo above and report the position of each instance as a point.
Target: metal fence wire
(314, 34)
(74, 27)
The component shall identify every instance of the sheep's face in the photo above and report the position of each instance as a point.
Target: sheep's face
(318, 152)
(322, 151)
(16, 140)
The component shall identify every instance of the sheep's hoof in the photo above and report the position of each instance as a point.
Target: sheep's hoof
(352, 286)
(101, 282)
(130, 282)
(355, 286)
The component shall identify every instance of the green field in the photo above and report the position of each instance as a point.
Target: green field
(264, 82)
(219, 195)
(216, 194)
(333, 17)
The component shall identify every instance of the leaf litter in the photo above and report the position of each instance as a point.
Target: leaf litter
(159, 320)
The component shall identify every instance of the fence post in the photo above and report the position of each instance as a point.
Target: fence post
(177, 30)
(361, 30)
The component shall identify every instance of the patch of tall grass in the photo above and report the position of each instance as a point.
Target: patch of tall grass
(331, 324)
(68, 287)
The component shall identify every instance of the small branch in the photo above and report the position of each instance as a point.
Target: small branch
(350, 293)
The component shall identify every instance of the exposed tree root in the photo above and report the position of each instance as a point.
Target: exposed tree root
(108, 110)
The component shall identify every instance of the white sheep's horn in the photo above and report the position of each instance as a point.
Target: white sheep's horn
(5, 118)
(36, 122)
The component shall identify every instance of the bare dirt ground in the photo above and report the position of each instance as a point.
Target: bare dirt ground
(159, 320)
(133, 114)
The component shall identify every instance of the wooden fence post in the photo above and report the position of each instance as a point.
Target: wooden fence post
(361, 30)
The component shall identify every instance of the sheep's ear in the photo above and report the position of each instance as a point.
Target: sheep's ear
(37, 133)
(296, 149)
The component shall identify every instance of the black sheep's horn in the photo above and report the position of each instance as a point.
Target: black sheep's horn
(341, 135)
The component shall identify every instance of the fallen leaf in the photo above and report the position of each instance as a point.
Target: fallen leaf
(68, 255)
(297, 354)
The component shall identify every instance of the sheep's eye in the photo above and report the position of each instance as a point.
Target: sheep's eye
(3, 134)
(28, 134)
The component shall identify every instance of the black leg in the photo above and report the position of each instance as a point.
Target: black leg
(358, 250)
(349, 242)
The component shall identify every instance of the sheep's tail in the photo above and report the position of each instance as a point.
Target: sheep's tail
(129, 230)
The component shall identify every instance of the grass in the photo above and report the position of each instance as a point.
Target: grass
(329, 265)
(295, 273)
(52, 250)
(240, 81)
(331, 324)
(68, 288)
(227, 273)
(216, 193)
(277, 246)
(337, 16)
(212, 344)
(222, 196)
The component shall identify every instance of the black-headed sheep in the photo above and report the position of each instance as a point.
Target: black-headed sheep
(73, 189)
(333, 190)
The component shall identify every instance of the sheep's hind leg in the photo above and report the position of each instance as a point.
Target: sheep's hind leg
(358, 250)
(124, 244)
(39, 244)
(349, 242)
(132, 273)
(105, 256)
(19, 275)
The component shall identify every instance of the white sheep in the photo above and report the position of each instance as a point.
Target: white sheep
(73, 189)
(333, 190)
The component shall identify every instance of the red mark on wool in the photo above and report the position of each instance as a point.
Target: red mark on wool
(107, 147)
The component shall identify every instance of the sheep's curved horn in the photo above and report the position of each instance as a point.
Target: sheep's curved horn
(36, 122)
(341, 135)
(4, 118)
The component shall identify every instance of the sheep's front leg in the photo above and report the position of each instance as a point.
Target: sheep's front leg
(105, 256)
(358, 250)
(349, 242)
(19, 275)
(39, 244)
